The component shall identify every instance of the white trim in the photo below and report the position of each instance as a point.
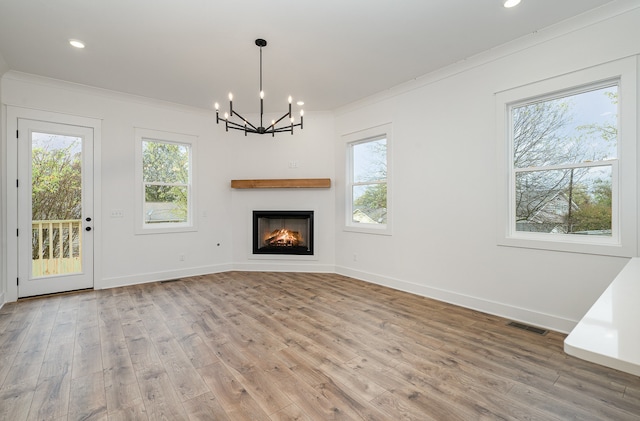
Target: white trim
(626, 244)
(13, 114)
(383, 131)
(283, 267)
(543, 320)
(145, 278)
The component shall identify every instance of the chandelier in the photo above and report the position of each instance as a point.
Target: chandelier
(276, 126)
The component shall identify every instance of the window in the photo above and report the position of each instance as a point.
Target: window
(368, 180)
(165, 182)
(565, 158)
(568, 185)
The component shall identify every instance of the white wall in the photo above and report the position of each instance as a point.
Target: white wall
(126, 258)
(444, 182)
(3, 197)
(312, 151)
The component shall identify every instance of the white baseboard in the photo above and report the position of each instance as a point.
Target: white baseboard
(523, 315)
(144, 278)
(2, 301)
(263, 266)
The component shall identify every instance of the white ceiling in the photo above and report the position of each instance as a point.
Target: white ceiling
(328, 53)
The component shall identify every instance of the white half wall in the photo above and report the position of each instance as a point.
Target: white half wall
(444, 182)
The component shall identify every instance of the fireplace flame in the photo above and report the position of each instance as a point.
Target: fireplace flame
(283, 238)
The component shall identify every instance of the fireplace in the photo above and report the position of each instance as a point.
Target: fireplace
(283, 232)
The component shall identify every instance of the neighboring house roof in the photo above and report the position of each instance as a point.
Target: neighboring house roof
(360, 216)
(554, 210)
(551, 217)
(554, 206)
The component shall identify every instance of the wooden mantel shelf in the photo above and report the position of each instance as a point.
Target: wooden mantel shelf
(283, 183)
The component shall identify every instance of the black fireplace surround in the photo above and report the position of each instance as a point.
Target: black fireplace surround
(283, 232)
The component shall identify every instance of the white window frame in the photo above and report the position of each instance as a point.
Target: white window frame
(142, 135)
(374, 133)
(623, 241)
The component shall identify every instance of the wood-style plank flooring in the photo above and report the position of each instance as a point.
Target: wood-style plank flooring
(288, 346)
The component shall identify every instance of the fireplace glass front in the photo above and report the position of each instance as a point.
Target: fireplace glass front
(283, 232)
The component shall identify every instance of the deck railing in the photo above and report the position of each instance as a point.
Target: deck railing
(56, 247)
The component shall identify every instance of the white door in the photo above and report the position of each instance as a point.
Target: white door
(55, 207)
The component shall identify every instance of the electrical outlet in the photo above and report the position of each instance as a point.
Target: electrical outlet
(355, 257)
(293, 164)
(181, 257)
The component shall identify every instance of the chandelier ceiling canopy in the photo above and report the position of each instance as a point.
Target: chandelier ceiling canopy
(243, 124)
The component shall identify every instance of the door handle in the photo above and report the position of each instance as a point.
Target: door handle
(88, 219)
(88, 229)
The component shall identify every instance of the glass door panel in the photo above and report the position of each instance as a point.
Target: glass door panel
(56, 204)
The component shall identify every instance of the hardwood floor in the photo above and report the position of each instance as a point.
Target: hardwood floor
(288, 346)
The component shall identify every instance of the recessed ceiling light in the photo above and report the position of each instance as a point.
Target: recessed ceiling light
(511, 3)
(76, 43)
(300, 102)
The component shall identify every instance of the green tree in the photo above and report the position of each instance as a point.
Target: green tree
(370, 197)
(56, 190)
(593, 211)
(165, 169)
(545, 135)
(374, 198)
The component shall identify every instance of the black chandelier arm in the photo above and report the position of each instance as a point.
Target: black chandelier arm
(288, 114)
(233, 124)
(288, 128)
(241, 118)
(236, 126)
(242, 128)
(271, 130)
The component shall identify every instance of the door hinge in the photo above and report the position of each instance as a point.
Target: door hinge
(17, 134)
(18, 281)
(17, 183)
(17, 232)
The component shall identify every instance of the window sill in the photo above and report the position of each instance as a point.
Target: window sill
(602, 246)
(369, 229)
(165, 229)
